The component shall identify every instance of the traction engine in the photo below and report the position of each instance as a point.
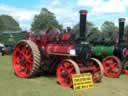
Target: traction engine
(114, 58)
(55, 52)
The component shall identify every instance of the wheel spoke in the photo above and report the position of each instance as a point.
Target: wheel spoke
(18, 51)
(97, 74)
(115, 70)
(29, 61)
(125, 69)
(18, 60)
(66, 65)
(95, 69)
(68, 80)
(71, 70)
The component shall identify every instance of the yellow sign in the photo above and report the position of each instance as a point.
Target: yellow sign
(82, 81)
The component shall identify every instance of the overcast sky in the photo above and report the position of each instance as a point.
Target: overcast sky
(66, 11)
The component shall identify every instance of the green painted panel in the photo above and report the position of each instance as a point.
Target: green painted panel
(11, 38)
(102, 51)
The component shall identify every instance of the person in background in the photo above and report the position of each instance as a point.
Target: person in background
(2, 48)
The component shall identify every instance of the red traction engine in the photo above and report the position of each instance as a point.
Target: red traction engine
(55, 52)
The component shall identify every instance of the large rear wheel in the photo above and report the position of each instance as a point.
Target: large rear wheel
(65, 70)
(26, 59)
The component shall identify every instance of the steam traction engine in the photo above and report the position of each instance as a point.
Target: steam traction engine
(53, 51)
(114, 57)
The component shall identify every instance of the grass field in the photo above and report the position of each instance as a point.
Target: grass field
(10, 85)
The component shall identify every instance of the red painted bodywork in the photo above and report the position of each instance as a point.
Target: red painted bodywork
(56, 43)
(55, 48)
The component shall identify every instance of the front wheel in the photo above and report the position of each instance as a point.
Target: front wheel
(97, 69)
(65, 70)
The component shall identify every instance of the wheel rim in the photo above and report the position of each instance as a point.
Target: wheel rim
(97, 72)
(112, 67)
(125, 70)
(125, 52)
(64, 73)
(22, 59)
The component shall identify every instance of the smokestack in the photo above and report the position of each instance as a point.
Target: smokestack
(83, 16)
(68, 29)
(121, 29)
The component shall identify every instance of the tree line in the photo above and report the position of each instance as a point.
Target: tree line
(108, 30)
(8, 23)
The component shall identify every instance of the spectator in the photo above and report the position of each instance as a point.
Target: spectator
(2, 48)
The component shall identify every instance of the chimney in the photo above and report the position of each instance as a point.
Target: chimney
(83, 16)
(121, 29)
(68, 29)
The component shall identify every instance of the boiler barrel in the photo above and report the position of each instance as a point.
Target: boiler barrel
(102, 51)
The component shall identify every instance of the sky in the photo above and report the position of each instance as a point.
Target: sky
(66, 11)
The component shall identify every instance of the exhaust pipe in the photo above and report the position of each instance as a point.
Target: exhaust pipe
(121, 29)
(83, 16)
(68, 29)
(118, 47)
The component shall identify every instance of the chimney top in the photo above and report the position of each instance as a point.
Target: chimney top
(83, 12)
(121, 19)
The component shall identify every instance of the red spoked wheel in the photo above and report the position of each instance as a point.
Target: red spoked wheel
(125, 52)
(26, 59)
(125, 69)
(112, 66)
(64, 72)
(97, 69)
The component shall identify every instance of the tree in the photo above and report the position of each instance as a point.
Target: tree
(1, 25)
(89, 27)
(126, 28)
(94, 35)
(8, 23)
(126, 33)
(44, 20)
(110, 31)
(92, 32)
(108, 27)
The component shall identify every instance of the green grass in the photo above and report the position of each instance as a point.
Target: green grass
(10, 85)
